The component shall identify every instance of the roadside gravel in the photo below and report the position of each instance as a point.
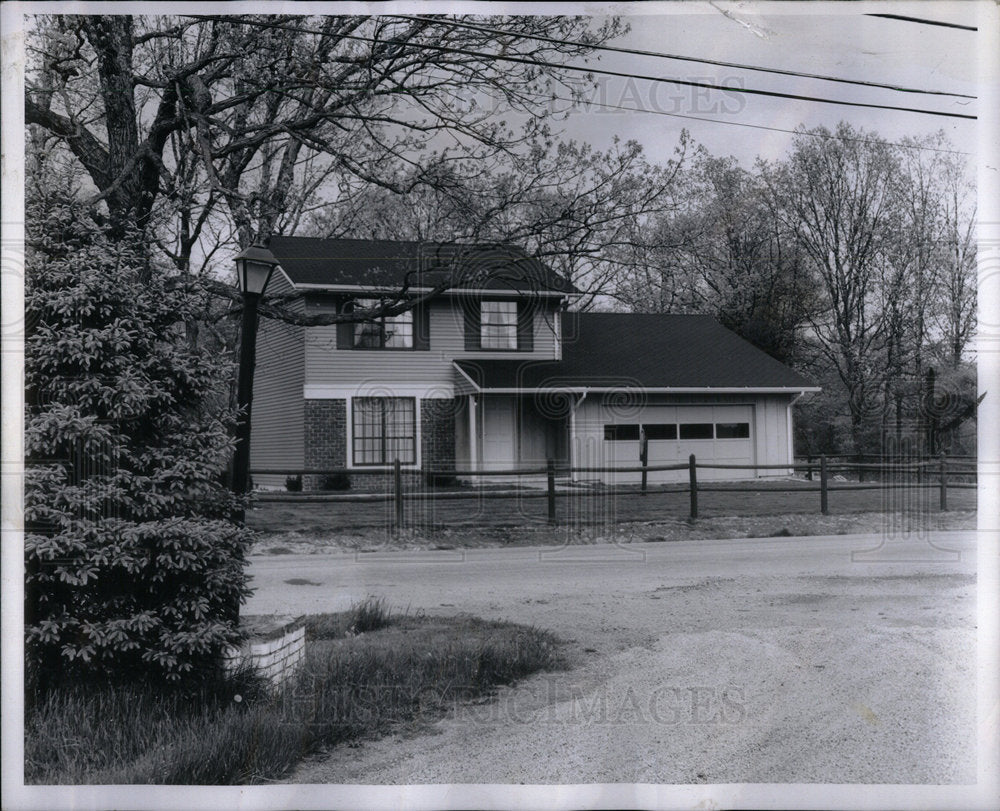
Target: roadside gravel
(864, 677)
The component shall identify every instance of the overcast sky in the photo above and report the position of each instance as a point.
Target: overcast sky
(834, 39)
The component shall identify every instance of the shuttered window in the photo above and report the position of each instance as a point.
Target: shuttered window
(407, 330)
(498, 324)
(387, 332)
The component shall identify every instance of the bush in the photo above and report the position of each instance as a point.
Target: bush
(438, 480)
(293, 484)
(134, 565)
(336, 481)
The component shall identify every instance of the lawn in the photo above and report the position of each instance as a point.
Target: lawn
(367, 673)
(758, 508)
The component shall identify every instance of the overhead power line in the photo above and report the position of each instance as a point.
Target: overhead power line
(602, 71)
(923, 21)
(826, 135)
(640, 52)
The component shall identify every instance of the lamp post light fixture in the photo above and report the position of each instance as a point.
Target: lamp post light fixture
(254, 266)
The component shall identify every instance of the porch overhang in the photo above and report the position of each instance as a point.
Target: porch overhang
(532, 377)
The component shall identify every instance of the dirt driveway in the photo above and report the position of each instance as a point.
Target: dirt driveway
(825, 659)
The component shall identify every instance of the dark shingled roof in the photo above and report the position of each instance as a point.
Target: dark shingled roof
(632, 350)
(383, 263)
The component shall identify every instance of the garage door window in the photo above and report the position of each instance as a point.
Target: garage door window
(696, 430)
(671, 431)
(621, 433)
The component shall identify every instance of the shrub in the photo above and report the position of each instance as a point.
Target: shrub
(133, 563)
(439, 480)
(293, 484)
(336, 481)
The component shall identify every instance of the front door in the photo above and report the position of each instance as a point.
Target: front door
(498, 432)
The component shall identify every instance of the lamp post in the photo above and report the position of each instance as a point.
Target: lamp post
(254, 266)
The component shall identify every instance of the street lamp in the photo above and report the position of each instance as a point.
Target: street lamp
(254, 266)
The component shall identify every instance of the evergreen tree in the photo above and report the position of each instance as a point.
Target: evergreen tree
(134, 565)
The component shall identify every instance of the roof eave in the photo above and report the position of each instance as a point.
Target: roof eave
(648, 389)
(394, 289)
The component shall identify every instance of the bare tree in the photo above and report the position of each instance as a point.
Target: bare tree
(837, 194)
(579, 209)
(721, 251)
(171, 116)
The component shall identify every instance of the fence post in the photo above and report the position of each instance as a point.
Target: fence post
(693, 476)
(824, 506)
(550, 474)
(397, 487)
(809, 470)
(944, 485)
(643, 458)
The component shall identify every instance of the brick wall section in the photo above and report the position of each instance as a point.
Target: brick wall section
(274, 659)
(325, 437)
(326, 443)
(437, 432)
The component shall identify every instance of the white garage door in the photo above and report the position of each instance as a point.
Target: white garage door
(720, 434)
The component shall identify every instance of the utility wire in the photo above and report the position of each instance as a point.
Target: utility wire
(601, 71)
(828, 136)
(639, 52)
(923, 21)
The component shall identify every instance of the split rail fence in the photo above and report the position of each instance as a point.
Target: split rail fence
(942, 474)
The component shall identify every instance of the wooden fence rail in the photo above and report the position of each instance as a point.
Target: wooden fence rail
(941, 469)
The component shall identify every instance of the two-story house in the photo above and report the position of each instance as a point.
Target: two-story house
(494, 373)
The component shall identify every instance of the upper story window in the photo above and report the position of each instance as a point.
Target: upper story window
(498, 324)
(387, 332)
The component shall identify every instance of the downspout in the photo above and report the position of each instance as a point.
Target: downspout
(788, 431)
(572, 433)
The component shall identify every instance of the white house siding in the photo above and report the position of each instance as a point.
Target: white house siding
(277, 431)
(377, 372)
(511, 431)
(768, 442)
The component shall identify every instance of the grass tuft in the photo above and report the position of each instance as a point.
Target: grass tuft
(391, 670)
(371, 614)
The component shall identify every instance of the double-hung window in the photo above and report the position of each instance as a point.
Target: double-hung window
(386, 332)
(498, 324)
(384, 429)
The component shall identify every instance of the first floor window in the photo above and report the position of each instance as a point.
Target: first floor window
(385, 429)
(498, 324)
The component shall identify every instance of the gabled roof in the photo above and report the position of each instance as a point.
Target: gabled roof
(641, 351)
(384, 264)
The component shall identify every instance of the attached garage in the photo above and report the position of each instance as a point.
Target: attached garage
(723, 434)
(684, 383)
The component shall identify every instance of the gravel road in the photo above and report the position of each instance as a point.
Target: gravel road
(771, 660)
